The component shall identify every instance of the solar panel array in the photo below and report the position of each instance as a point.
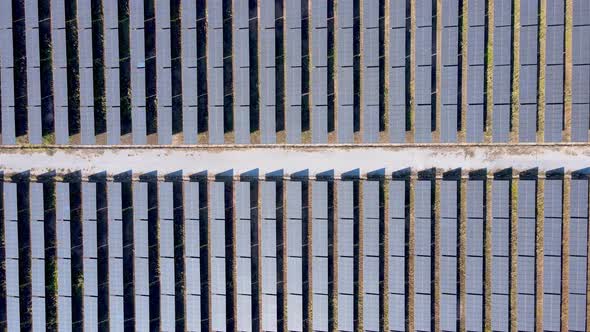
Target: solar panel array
(319, 70)
(236, 88)
(502, 70)
(500, 254)
(529, 60)
(475, 70)
(475, 251)
(423, 82)
(450, 71)
(360, 281)
(449, 231)
(581, 71)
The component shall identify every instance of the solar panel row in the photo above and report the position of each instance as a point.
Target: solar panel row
(397, 255)
(293, 73)
(319, 71)
(552, 254)
(7, 76)
(137, 74)
(448, 251)
(217, 271)
(475, 260)
(502, 70)
(528, 70)
(294, 256)
(215, 87)
(89, 255)
(425, 41)
(34, 71)
(111, 66)
(554, 70)
(192, 256)
(319, 249)
(166, 253)
(398, 55)
(64, 255)
(581, 71)
(189, 61)
(346, 259)
(141, 255)
(449, 71)
(84, 16)
(163, 72)
(241, 71)
(37, 232)
(345, 70)
(370, 70)
(11, 256)
(475, 71)
(578, 254)
(59, 71)
(243, 259)
(371, 255)
(500, 254)
(267, 70)
(423, 255)
(115, 255)
(268, 260)
(526, 267)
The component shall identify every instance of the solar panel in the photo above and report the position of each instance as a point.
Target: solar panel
(294, 256)
(60, 77)
(320, 254)
(140, 249)
(64, 274)
(269, 254)
(344, 56)
(215, 87)
(371, 255)
(90, 255)
(422, 313)
(137, 72)
(34, 71)
(11, 254)
(7, 77)
(115, 250)
(111, 51)
(529, 11)
(474, 315)
(189, 71)
(266, 35)
(243, 261)
(166, 252)
(527, 121)
(241, 71)
(577, 312)
(397, 74)
(448, 315)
